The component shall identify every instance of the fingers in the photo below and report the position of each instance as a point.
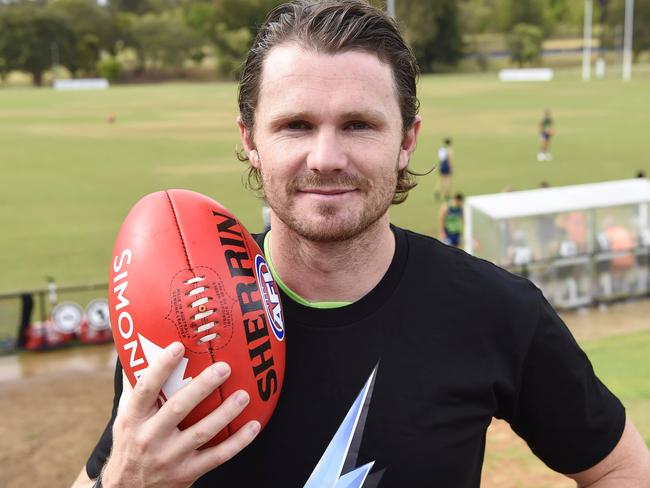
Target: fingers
(147, 444)
(146, 390)
(198, 434)
(127, 391)
(181, 404)
(212, 457)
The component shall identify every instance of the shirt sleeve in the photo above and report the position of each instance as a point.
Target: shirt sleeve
(568, 417)
(102, 450)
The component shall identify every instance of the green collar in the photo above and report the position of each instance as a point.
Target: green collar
(292, 294)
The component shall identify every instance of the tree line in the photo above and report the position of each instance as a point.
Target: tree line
(93, 39)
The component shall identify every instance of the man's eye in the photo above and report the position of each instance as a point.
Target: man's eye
(358, 125)
(298, 125)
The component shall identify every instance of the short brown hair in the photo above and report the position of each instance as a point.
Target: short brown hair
(332, 26)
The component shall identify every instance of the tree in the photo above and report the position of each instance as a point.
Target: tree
(532, 12)
(477, 16)
(131, 6)
(230, 26)
(120, 32)
(164, 40)
(432, 28)
(91, 25)
(109, 68)
(29, 34)
(527, 11)
(4, 71)
(525, 43)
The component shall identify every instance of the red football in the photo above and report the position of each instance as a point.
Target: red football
(185, 269)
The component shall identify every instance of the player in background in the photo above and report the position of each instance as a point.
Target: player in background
(445, 159)
(451, 220)
(402, 350)
(546, 131)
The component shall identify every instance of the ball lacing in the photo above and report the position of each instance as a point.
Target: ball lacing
(202, 311)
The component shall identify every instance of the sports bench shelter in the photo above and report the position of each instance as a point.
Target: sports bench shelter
(580, 244)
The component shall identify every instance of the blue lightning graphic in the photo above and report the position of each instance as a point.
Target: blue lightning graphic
(341, 453)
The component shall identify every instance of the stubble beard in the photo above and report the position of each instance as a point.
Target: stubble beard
(332, 223)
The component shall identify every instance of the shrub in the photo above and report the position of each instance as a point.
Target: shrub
(109, 68)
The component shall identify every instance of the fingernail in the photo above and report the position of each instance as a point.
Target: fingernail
(175, 348)
(254, 427)
(222, 369)
(242, 398)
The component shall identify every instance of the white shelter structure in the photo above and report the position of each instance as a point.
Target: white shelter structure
(580, 244)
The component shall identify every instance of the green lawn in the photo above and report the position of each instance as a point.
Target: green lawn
(69, 177)
(623, 364)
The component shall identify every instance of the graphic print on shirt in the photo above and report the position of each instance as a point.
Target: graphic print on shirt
(177, 378)
(337, 467)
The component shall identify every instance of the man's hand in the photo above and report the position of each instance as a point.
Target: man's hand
(148, 447)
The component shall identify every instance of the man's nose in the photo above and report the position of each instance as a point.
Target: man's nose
(326, 152)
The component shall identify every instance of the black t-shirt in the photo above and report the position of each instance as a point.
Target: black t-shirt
(453, 341)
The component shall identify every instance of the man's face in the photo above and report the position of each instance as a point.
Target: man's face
(328, 140)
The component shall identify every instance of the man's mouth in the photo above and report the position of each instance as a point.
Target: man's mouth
(327, 191)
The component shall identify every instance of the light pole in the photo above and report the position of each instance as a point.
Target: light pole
(586, 42)
(390, 8)
(627, 40)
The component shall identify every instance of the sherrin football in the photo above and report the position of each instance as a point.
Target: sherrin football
(185, 269)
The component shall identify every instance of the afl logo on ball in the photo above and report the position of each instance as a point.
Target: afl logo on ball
(270, 296)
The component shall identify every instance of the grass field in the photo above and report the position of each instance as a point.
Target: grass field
(622, 363)
(69, 177)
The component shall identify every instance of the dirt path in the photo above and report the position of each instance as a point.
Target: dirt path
(54, 406)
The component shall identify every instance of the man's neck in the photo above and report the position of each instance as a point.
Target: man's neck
(332, 271)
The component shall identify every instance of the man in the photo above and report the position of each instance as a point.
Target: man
(546, 131)
(445, 157)
(451, 221)
(400, 350)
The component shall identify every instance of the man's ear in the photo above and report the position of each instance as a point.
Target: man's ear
(409, 142)
(254, 158)
(248, 144)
